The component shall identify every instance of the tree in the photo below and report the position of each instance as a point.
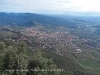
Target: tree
(14, 61)
(42, 65)
(2, 47)
(21, 47)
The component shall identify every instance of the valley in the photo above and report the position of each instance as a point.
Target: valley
(76, 42)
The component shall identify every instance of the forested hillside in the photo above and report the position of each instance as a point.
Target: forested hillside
(15, 61)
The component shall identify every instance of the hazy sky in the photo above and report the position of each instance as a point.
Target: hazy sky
(50, 6)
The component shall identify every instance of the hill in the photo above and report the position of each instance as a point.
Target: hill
(26, 19)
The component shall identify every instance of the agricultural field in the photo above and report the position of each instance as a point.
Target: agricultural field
(88, 59)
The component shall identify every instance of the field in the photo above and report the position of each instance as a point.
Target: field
(88, 59)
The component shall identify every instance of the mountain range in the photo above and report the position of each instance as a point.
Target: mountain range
(28, 19)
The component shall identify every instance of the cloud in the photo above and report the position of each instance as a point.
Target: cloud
(87, 5)
(35, 4)
(50, 5)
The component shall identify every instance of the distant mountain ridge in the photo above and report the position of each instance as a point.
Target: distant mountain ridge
(26, 19)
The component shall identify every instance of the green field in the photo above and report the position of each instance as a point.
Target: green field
(88, 59)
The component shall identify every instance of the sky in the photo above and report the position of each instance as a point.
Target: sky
(50, 6)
